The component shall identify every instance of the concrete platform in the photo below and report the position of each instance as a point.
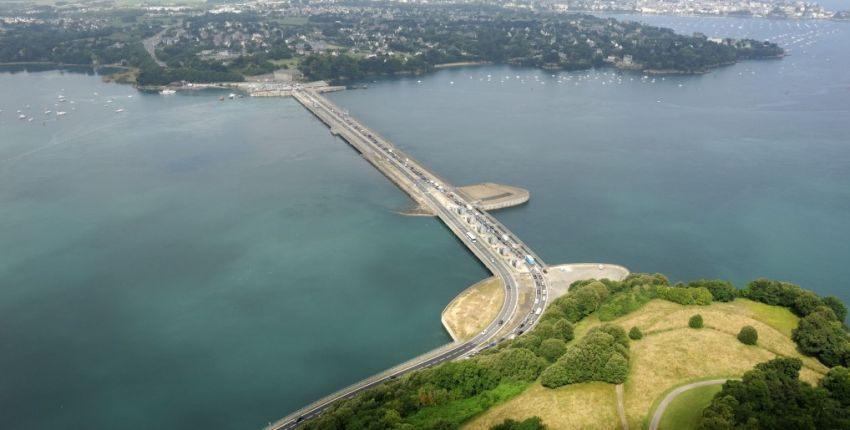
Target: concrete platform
(490, 196)
(558, 279)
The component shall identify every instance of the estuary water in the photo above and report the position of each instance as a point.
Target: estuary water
(180, 261)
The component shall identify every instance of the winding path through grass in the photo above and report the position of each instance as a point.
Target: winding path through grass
(659, 412)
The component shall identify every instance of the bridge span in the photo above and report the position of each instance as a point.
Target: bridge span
(522, 272)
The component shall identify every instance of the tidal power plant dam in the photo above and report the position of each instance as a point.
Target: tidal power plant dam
(524, 276)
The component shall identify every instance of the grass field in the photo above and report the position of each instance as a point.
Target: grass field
(290, 63)
(684, 411)
(580, 406)
(473, 309)
(672, 354)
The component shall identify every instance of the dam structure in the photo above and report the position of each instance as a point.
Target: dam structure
(522, 273)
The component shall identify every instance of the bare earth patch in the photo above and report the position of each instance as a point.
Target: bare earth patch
(471, 311)
(580, 406)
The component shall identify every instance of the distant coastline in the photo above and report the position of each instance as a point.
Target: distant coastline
(461, 64)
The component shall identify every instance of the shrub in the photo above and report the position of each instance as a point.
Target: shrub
(748, 335)
(685, 296)
(637, 279)
(443, 425)
(615, 370)
(464, 378)
(772, 292)
(695, 321)
(583, 300)
(592, 359)
(552, 349)
(625, 302)
(721, 291)
(635, 333)
(564, 330)
(555, 376)
(544, 329)
(617, 333)
(837, 382)
(835, 304)
(821, 335)
(806, 303)
(518, 364)
(529, 341)
(533, 423)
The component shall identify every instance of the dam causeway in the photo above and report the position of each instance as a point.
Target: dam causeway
(525, 278)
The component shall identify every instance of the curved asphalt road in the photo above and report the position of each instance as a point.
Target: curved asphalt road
(369, 145)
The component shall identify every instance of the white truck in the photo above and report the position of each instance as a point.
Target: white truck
(471, 236)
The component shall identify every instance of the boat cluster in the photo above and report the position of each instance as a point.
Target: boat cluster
(61, 107)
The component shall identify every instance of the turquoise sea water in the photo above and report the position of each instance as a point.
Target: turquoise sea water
(191, 262)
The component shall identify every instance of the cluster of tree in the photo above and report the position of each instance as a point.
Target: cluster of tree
(584, 299)
(533, 423)
(802, 302)
(345, 67)
(638, 289)
(251, 62)
(601, 355)
(211, 72)
(625, 302)
(721, 291)
(821, 332)
(771, 396)
(470, 386)
(70, 44)
(685, 295)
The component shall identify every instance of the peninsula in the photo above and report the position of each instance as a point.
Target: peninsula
(262, 42)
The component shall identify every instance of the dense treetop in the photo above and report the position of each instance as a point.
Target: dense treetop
(771, 396)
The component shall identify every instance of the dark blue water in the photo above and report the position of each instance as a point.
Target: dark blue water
(191, 262)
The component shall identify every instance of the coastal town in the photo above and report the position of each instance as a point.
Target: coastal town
(753, 8)
(161, 45)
